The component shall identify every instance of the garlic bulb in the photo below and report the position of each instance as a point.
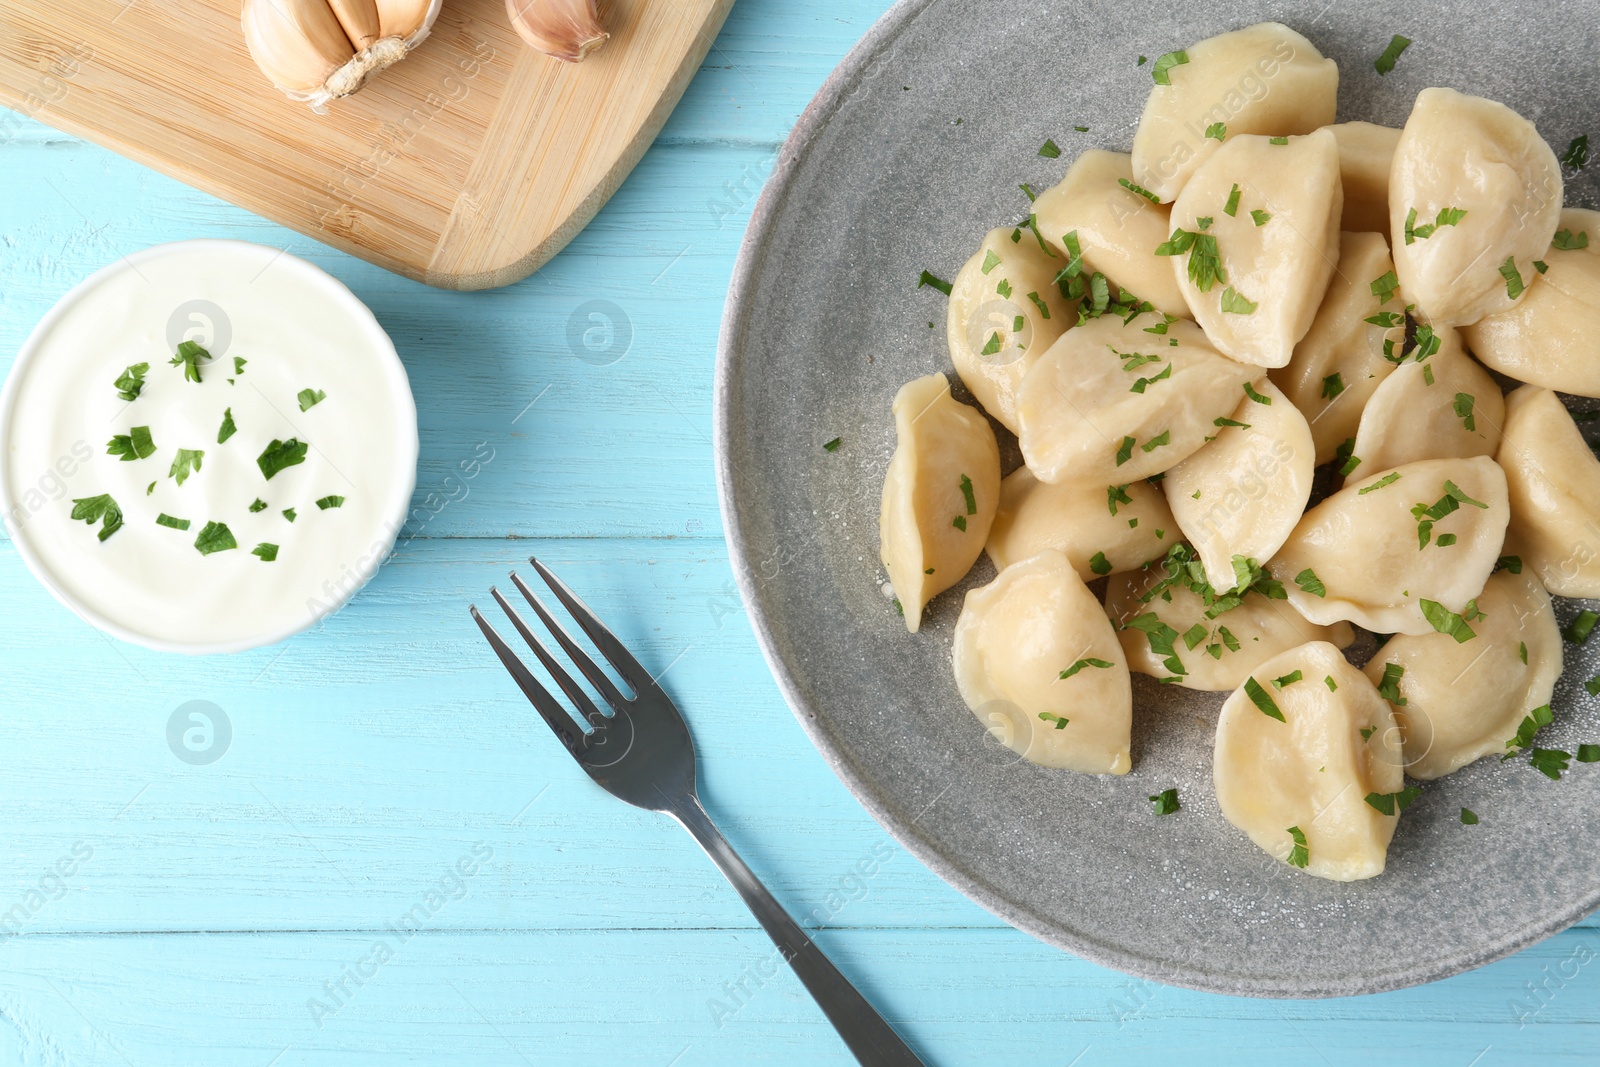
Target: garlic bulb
(565, 29)
(317, 50)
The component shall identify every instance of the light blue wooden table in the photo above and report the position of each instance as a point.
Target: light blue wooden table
(296, 901)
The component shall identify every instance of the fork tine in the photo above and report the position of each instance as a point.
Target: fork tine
(631, 670)
(573, 690)
(555, 716)
(591, 670)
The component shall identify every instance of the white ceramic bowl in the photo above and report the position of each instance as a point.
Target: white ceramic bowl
(156, 297)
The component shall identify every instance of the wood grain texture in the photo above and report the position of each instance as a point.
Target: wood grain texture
(466, 166)
(370, 754)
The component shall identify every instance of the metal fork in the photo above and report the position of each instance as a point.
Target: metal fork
(643, 754)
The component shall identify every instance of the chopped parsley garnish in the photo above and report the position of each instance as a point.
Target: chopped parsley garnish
(1550, 762)
(1513, 277)
(281, 455)
(1445, 540)
(1060, 720)
(1082, 663)
(1125, 451)
(1565, 240)
(1221, 421)
(1531, 724)
(101, 509)
(131, 382)
(929, 278)
(258, 505)
(1387, 319)
(1099, 564)
(1386, 61)
(1446, 621)
(1194, 635)
(833, 445)
(1592, 686)
(1141, 190)
(966, 493)
(1385, 286)
(1589, 753)
(1427, 343)
(1346, 458)
(990, 262)
(135, 444)
(1038, 302)
(1287, 680)
(1160, 439)
(959, 522)
(1161, 638)
(288, 513)
(150, 489)
(1463, 407)
(189, 357)
(1333, 686)
(1393, 803)
(1236, 303)
(1166, 801)
(1205, 263)
(1278, 140)
(1541, 266)
(1262, 699)
(1160, 72)
(991, 346)
(1427, 515)
(1469, 817)
(216, 537)
(1299, 855)
(1217, 131)
(1387, 479)
(1427, 374)
(1249, 391)
(1259, 217)
(1389, 687)
(1081, 129)
(1231, 208)
(1016, 235)
(228, 429)
(1448, 216)
(238, 365)
(1581, 627)
(186, 463)
(1308, 581)
(164, 519)
(1049, 150)
(1367, 732)
(1117, 494)
(310, 398)
(1141, 62)
(266, 550)
(1522, 651)
(1577, 153)
(1143, 383)
(1332, 385)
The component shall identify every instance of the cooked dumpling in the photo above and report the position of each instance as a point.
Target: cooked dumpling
(1117, 229)
(1458, 700)
(1370, 553)
(1242, 494)
(1101, 529)
(1261, 221)
(1035, 642)
(1113, 402)
(1340, 361)
(1365, 154)
(1264, 79)
(1214, 653)
(1004, 312)
(1474, 198)
(1554, 482)
(1549, 337)
(1445, 405)
(1299, 749)
(940, 495)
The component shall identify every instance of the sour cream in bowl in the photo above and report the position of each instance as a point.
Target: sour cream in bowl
(208, 446)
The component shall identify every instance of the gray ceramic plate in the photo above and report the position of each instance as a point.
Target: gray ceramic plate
(824, 322)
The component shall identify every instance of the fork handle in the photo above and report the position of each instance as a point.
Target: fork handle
(870, 1039)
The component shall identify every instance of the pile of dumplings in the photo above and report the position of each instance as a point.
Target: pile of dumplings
(1180, 338)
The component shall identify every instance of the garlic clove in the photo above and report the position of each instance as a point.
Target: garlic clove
(296, 43)
(403, 18)
(359, 20)
(565, 29)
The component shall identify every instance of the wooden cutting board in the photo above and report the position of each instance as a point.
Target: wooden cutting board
(466, 166)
